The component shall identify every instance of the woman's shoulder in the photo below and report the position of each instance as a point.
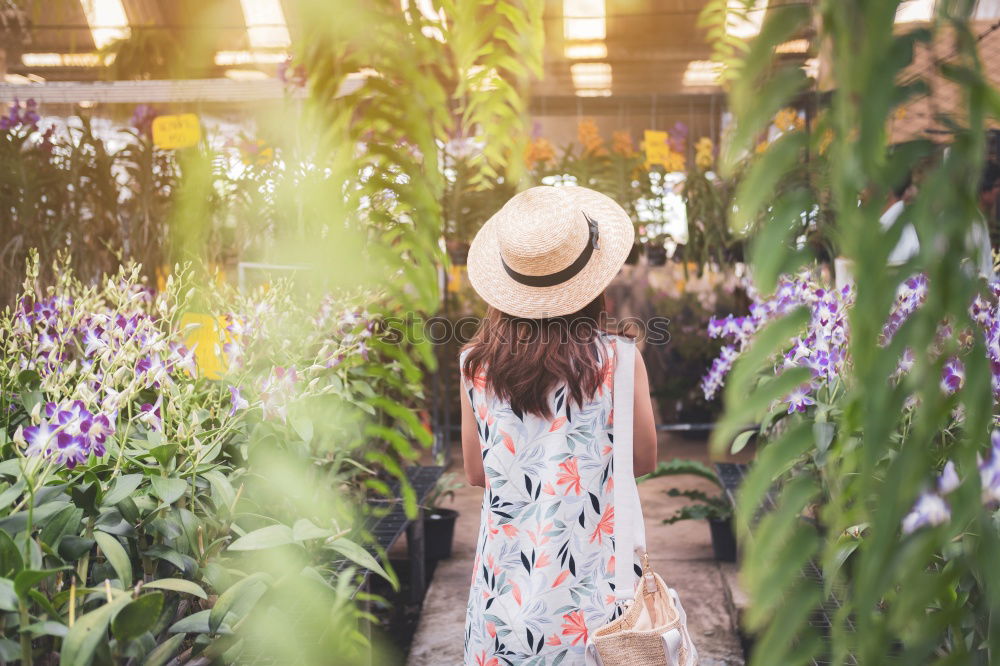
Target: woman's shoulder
(611, 340)
(464, 352)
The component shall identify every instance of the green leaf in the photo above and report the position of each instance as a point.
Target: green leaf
(61, 524)
(183, 562)
(304, 530)
(10, 556)
(742, 440)
(29, 380)
(756, 190)
(770, 249)
(10, 651)
(162, 653)
(117, 556)
(163, 454)
(683, 467)
(8, 496)
(124, 486)
(177, 585)
(303, 427)
(138, 617)
(73, 547)
(245, 592)
(271, 536)
(44, 602)
(223, 494)
(85, 497)
(823, 432)
(360, 556)
(29, 578)
(88, 632)
(169, 490)
(197, 623)
(47, 628)
(8, 597)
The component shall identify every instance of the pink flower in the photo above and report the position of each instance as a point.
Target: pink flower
(605, 526)
(569, 476)
(575, 625)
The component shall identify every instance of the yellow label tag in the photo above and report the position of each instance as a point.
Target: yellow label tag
(180, 131)
(657, 148)
(455, 274)
(206, 334)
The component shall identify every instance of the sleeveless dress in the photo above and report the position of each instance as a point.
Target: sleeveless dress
(544, 570)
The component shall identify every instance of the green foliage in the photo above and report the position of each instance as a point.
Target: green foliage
(710, 240)
(109, 559)
(497, 50)
(680, 467)
(703, 506)
(444, 489)
(857, 462)
(727, 49)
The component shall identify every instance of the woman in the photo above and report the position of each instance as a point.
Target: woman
(537, 424)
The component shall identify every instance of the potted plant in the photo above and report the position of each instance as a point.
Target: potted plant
(716, 509)
(634, 254)
(656, 253)
(439, 523)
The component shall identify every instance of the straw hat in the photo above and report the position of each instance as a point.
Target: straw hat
(549, 251)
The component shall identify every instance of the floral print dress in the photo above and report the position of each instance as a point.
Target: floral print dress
(544, 569)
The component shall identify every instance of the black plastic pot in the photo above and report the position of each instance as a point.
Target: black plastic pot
(723, 539)
(656, 255)
(633, 256)
(439, 533)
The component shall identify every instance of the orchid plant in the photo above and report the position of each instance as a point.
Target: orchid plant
(822, 353)
(132, 487)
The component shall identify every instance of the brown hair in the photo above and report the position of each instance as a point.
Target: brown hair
(521, 361)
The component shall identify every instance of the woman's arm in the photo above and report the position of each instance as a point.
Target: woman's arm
(643, 427)
(472, 456)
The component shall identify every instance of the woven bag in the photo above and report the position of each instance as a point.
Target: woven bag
(653, 629)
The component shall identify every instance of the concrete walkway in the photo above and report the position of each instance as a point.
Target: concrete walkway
(681, 553)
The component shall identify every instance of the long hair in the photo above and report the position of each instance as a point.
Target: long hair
(523, 360)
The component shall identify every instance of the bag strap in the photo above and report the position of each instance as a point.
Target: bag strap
(629, 530)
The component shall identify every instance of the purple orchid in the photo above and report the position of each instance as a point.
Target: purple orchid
(70, 451)
(21, 117)
(97, 428)
(989, 471)
(237, 401)
(929, 510)
(150, 414)
(151, 369)
(94, 341)
(798, 400)
(952, 376)
(823, 350)
(142, 118)
(182, 358)
(39, 439)
(948, 480)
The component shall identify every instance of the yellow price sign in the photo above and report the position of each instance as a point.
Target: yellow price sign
(180, 131)
(206, 334)
(657, 148)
